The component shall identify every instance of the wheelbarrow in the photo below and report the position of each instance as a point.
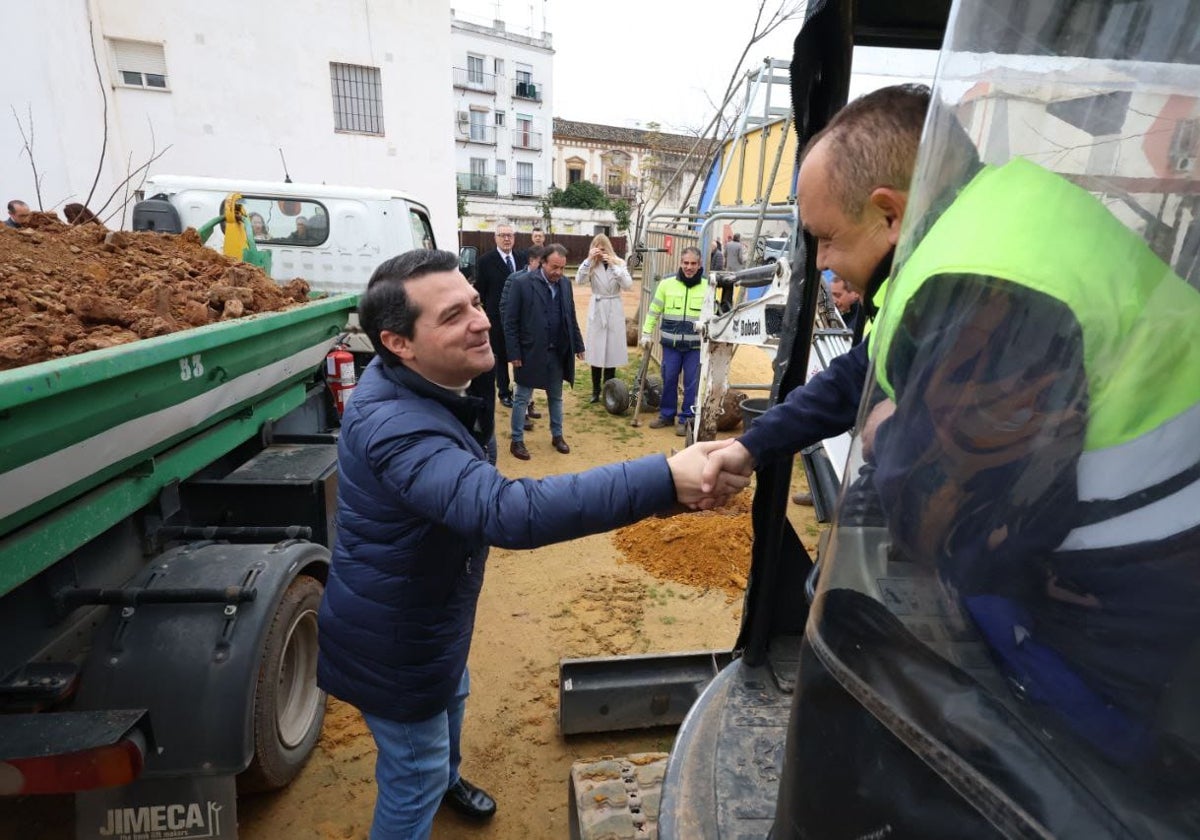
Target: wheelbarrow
(645, 394)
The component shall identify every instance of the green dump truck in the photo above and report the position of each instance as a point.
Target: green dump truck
(166, 508)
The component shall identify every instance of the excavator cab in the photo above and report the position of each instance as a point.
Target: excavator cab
(1001, 634)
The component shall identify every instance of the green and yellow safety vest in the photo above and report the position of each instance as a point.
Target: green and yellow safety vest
(679, 307)
(1028, 226)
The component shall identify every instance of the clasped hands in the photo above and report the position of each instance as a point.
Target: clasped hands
(708, 474)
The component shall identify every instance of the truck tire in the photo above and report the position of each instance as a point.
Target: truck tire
(616, 798)
(289, 709)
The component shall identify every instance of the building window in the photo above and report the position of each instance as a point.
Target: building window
(498, 67)
(357, 99)
(574, 176)
(614, 183)
(479, 128)
(500, 118)
(523, 86)
(140, 64)
(524, 185)
(475, 69)
(501, 167)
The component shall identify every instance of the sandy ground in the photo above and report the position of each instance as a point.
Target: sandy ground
(577, 599)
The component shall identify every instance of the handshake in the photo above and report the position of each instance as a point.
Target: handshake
(710, 473)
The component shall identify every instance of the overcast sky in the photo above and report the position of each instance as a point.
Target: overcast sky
(630, 62)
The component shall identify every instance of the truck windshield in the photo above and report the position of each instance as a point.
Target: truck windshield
(1012, 583)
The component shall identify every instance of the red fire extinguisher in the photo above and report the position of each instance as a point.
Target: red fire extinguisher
(340, 375)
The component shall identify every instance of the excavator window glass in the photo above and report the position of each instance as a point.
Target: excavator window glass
(296, 222)
(1012, 583)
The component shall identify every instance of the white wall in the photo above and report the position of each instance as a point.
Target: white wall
(245, 79)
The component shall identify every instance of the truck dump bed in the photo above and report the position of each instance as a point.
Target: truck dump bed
(70, 425)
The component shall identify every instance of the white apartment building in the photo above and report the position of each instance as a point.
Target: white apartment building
(501, 124)
(349, 94)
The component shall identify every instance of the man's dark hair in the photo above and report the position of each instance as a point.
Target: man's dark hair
(737, 237)
(385, 304)
(537, 229)
(535, 252)
(873, 143)
(561, 250)
(12, 205)
(693, 250)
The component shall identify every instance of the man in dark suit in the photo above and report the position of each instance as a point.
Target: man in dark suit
(543, 341)
(493, 269)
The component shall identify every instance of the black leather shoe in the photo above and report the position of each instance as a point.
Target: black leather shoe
(518, 450)
(595, 398)
(469, 800)
(530, 412)
(529, 425)
(506, 402)
(561, 445)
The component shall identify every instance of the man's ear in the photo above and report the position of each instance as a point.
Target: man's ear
(400, 346)
(891, 204)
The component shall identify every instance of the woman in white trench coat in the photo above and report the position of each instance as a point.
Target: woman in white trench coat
(608, 275)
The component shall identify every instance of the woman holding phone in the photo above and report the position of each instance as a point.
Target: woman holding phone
(607, 274)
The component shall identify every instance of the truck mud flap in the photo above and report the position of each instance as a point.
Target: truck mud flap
(186, 643)
(608, 694)
(176, 808)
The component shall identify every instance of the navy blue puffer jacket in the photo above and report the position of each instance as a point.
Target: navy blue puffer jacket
(418, 506)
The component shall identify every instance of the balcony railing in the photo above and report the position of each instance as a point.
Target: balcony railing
(527, 90)
(476, 133)
(474, 80)
(522, 139)
(470, 182)
(526, 187)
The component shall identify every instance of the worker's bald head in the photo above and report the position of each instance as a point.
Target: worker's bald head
(871, 143)
(854, 179)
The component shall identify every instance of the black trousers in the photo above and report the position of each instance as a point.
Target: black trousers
(503, 383)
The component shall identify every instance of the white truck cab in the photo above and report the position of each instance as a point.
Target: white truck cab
(331, 236)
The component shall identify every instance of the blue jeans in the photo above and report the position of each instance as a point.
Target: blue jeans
(522, 395)
(416, 763)
(673, 362)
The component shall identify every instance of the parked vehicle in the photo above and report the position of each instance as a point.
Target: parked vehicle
(164, 534)
(771, 249)
(332, 236)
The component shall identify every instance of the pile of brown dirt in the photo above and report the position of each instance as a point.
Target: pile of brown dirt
(67, 290)
(708, 550)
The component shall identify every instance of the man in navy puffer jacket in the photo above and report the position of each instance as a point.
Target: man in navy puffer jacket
(418, 507)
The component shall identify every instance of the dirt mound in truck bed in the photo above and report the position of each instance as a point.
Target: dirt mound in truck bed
(67, 290)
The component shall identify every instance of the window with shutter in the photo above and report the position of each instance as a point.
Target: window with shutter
(139, 64)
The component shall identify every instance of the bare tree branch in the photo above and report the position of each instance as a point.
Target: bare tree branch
(104, 99)
(784, 11)
(145, 166)
(27, 142)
